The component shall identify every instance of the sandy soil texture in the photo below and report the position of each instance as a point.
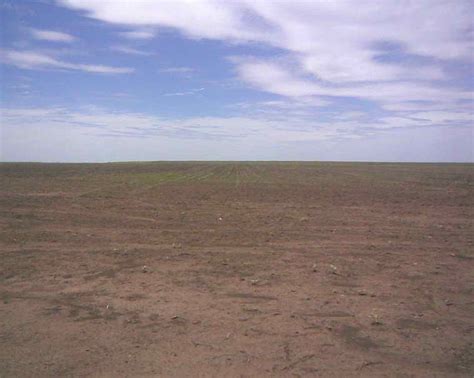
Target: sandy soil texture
(236, 270)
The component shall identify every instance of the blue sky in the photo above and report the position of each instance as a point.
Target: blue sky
(94, 80)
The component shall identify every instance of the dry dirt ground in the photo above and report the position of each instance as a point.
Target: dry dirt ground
(236, 269)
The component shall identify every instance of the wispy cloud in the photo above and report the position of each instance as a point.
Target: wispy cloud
(185, 93)
(385, 52)
(178, 70)
(101, 122)
(130, 50)
(284, 80)
(314, 29)
(35, 60)
(253, 127)
(52, 36)
(138, 34)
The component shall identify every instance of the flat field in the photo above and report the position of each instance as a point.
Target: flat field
(236, 269)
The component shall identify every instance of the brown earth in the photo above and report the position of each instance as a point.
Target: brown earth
(237, 269)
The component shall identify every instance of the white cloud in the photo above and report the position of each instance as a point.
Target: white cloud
(100, 68)
(445, 116)
(37, 60)
(185, 93)
(129, 50)
(274, 78)
(334, 48)
(178, 70)
(284, 105)
(52, 36)
(279, 79)
(106, 123)
(201, 19)
(316, 29)
(138, 34)
(78, 135)
(252, 127)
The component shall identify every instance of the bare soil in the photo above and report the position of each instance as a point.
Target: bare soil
(236, 269)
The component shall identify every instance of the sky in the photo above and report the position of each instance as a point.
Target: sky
(99, 81)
